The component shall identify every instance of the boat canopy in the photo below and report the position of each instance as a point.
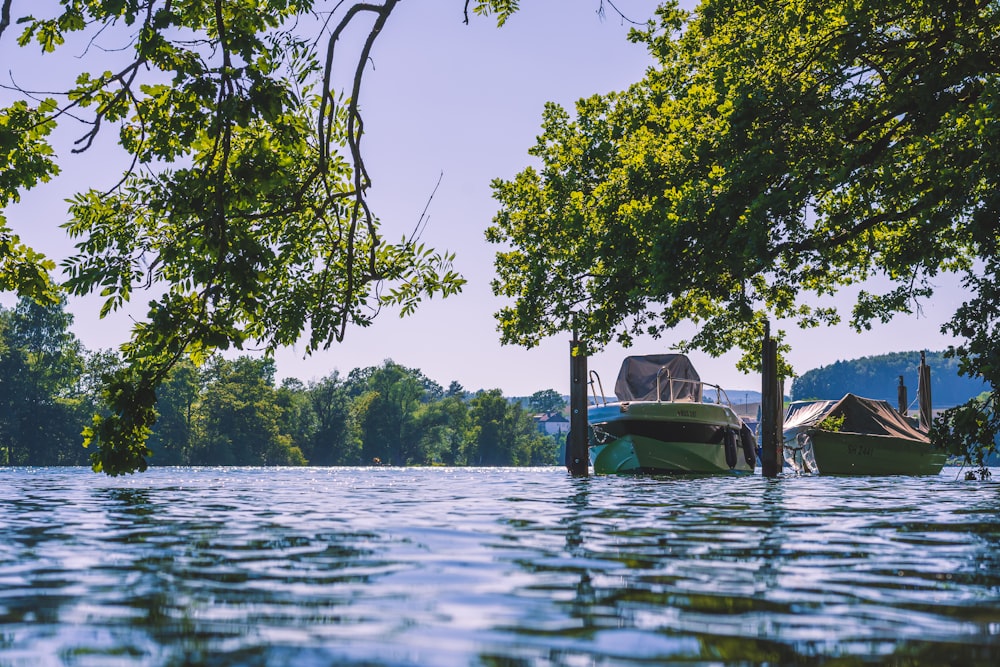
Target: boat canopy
(678, 382)
(861, 415)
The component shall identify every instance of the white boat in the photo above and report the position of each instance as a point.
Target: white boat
(659, 423)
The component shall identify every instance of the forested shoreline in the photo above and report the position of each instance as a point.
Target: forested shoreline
(877, 376)
(231, 411)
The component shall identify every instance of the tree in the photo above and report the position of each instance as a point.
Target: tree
(296, 417)
(455, 389)
(42, 400)
(241, 417)
(772, 156)
(546, 401)
(336, 440)
(439, 427)
(501, 433)
(388, 399)
(174, 435)
(96, 365)
(485, 444)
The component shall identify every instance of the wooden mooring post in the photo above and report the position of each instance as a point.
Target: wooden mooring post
(771, 404)
(577, 459)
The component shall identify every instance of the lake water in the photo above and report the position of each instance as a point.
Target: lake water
(357, 566)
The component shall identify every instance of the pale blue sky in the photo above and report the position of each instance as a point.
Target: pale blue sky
(466, 100)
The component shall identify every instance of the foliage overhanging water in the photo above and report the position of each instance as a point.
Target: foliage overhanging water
(324, 566)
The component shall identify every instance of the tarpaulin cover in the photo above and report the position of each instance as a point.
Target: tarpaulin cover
(678, 382)
(861, 415)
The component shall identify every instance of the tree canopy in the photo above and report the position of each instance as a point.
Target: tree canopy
(773, 155)
(242, 202)
(229, 411)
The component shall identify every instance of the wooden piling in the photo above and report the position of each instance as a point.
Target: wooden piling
(924, 393)
(577, 459)
(771, 407)
(903, 398)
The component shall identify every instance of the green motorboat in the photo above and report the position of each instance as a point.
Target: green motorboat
(659, 423)
(855, 436)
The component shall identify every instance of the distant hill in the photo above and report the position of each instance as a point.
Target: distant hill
(878, 377)
(736, 396)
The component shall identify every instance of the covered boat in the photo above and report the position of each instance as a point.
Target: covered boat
(856, 436)
(660, 424)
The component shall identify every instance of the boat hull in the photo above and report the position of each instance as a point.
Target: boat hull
(668, 438)
(839, 453)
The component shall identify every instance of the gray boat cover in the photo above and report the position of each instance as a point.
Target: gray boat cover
(861, 415)
(805, 413)
(637, 379)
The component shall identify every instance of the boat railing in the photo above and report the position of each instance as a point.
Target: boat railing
(597, 389)
(671, 380)
(595, 384)
(719, 391)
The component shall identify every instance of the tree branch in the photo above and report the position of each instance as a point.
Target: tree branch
(326, 99)
(355, 129)
(5, 16)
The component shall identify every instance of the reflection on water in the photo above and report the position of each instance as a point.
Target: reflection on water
(352, 566)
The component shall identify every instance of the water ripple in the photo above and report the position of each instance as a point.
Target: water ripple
(484, 567)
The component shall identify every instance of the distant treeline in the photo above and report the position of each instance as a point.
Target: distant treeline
(878, 377)
(230, 412)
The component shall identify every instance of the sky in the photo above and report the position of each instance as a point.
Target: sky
(463, 103)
